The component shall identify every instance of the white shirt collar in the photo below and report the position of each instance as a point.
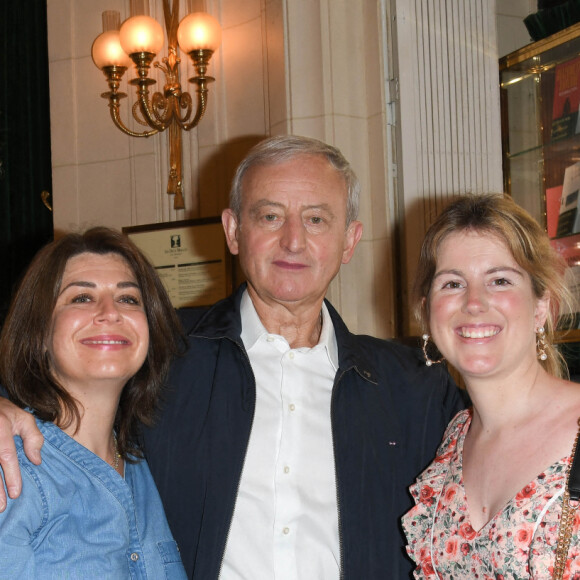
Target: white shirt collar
(253, 329)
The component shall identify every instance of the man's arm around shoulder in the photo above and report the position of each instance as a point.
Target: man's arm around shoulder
(16, 421)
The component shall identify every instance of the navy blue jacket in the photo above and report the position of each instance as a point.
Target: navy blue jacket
(389, 411)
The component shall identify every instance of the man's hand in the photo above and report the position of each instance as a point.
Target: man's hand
(15, 421)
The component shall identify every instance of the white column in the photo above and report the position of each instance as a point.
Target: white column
(448, 129)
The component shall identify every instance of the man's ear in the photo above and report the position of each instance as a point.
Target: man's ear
(230, 224)
(351, 239)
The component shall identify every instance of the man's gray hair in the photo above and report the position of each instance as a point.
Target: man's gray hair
(286, 147)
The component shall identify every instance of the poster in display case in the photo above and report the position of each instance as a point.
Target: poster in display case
(191, 258)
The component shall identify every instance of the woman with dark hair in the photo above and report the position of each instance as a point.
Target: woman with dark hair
(494, 503)
(85, 347)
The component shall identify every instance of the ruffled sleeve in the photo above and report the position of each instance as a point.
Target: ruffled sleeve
(427, 489)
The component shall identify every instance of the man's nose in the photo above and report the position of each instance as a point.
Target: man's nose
(293, 236)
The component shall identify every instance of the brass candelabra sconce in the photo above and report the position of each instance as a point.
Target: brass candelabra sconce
(138, 40)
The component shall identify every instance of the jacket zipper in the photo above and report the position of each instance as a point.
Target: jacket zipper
(243, 462)
(340, 538)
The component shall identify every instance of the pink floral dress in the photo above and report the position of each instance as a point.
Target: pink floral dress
(518, 542)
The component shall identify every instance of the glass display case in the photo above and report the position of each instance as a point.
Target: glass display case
(539, 118)
(540, 100)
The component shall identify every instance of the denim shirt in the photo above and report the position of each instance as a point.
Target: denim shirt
(78, 518)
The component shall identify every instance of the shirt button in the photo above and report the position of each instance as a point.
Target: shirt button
(286, 469)
(292, 406)
(291, 355)
(286, 531)
(134, 556)
(270, 339)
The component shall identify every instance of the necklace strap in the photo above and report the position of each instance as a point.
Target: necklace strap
(568, 513)
(574, 475)
(116, 456)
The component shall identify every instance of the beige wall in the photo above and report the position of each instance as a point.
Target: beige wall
(511, 30)
(322, 68)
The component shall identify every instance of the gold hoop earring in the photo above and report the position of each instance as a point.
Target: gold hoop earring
(428, 361)
(541, 344)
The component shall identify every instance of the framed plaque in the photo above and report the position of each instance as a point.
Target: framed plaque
(191, 258)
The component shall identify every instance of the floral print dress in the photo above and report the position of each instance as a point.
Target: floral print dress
(518, 542)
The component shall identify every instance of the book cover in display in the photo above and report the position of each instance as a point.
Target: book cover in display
(565, 119)
(569, 216)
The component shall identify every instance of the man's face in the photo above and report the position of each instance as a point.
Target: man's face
(292, 237)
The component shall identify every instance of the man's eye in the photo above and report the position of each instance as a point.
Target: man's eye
(270, 217)
(316, 220)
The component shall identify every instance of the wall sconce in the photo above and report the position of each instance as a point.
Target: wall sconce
(139, 40)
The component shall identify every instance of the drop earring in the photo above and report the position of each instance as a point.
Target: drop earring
(428, 360)
(541, 344)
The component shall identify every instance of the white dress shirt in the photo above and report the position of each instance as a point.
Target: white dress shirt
(285, 523)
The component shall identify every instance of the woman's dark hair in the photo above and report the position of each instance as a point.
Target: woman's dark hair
(498, 215)
(25, 365)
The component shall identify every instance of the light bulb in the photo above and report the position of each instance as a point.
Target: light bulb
(141, 34)
(199, 30)
(107, 51)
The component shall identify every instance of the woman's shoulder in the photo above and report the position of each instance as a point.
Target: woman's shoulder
(438, 468)
(560, 413)
(52, 437)
(429, 486)
(40, 475)
(62, 458)
(29, 511)
(457, 428)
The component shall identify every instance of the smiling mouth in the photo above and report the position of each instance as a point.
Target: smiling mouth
(483, 332)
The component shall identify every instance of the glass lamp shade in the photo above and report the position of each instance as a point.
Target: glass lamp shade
(199, 30)
(107, 50)
(141, 34)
